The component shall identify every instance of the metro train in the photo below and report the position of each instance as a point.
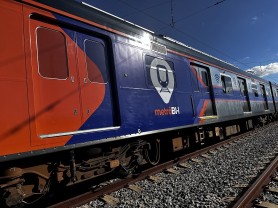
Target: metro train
(85, 93)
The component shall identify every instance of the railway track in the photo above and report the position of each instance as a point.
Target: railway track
(250, 197)
(103, 192)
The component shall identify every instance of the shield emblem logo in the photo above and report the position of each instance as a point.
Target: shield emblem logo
(162, 77)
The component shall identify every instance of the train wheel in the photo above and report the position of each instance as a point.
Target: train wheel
(152, 153)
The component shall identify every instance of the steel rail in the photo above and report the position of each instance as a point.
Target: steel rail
(257, 187)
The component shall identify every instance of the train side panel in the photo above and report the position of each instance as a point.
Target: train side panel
(269, 98)
(229, 103)
(14, 122)
(142, 97)
(72, 94)
(274, 93)
(259, 97)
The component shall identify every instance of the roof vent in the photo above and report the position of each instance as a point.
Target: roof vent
(158, 48)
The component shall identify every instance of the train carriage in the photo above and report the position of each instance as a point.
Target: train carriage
(274, 93)
(85, 93)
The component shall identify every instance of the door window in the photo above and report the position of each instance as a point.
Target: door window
(255, 89)
(204, 76)
(52, 56)
(96, 61)
(227, 84)
(201, 76)
(195, 84)
(242, 87)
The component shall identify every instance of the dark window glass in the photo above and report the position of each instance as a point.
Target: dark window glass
(255, 90)
(52, 55)
(242, 87)
(200, 76)
(227, 84)
(223, 84)
(268, 92)
(262, 90)
(204, 75)
(96, 61)
(195, 79)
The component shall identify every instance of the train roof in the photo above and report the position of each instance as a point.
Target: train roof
(89, 12)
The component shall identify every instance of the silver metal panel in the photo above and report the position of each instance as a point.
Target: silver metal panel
(257, 106)
(229, 108)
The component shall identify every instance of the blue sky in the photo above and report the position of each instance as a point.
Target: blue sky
(241, 32)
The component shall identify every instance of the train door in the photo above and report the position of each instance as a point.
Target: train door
(96, 96)
(264, 96)
(244, 94)
(204, 89)
(54, 101)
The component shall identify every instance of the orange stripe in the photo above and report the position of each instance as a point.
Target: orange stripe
(203, 110)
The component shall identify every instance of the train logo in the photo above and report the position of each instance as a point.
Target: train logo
(162, 77)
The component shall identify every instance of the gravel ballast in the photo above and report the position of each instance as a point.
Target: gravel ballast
(210, 183)
(268, 195)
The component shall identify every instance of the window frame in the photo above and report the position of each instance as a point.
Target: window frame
(226, 89)
(106, 77)
(206, 81)
(37, 53)
(255, 90)
(195, 82)
(241, 81)
(199, 71)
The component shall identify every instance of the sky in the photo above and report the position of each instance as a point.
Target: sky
(241, 32)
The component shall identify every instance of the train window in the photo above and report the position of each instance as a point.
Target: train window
(52, 55)
(227, 84)
(255, 89)
(195, 85)
(201, 76)
(160, 73)
(262, 90)
(241, 90)
(268, 91)
(242, 86)
(204, 76)
(96, 61)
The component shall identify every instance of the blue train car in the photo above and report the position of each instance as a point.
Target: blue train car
(99, 94)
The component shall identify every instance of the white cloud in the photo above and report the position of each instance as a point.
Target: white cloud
(246, 58)
(254, 19)
(263, 71)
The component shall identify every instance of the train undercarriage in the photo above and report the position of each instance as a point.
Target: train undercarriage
(27, 181)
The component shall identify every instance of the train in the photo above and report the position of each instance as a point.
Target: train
(85, 93)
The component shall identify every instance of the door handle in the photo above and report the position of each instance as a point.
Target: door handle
(72, 78)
